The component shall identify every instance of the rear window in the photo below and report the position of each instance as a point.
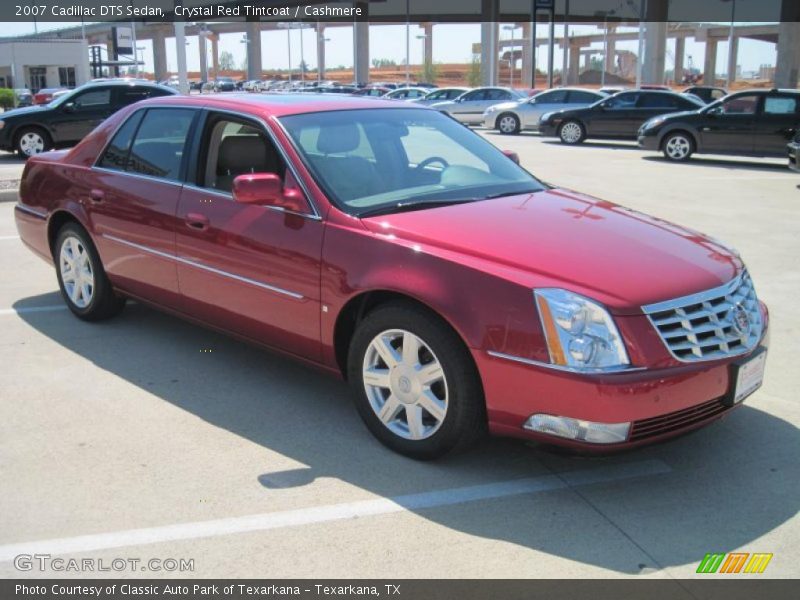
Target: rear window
(780, 105)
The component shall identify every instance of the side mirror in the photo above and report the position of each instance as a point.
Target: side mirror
(512, 155)
(713, 112)
(69, 107)
(266, 189)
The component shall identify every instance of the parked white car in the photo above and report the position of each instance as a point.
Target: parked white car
(513, 117)
(441, 95)
(470, 106)
(406, 93)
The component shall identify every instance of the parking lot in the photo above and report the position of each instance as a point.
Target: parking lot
(148, 437)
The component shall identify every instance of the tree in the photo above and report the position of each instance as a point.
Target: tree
(474, 73)
(430, 72)
(303, 66)
(226, 62)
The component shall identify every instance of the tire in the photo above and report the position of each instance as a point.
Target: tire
(30, 141)
(508, 124)
(572, 133)
(678, 146)
(446, 398)
(89, 296)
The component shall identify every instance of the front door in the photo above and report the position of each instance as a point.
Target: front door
(74, 119)
(730, 126)
(253, 270)
(612, 117)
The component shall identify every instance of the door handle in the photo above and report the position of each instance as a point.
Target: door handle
(197, 221)
(97, 196)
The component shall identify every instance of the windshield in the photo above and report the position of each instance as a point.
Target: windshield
(373, 159)
(62, 99)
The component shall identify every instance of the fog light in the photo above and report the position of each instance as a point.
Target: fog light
(575, 429)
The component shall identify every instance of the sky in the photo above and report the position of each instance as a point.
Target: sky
(452, 43)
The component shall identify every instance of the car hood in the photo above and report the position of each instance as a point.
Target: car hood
(16, 112)
(559, 238)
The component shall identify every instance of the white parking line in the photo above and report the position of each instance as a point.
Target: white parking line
(333, 512)
(4, 312)
(4, 238)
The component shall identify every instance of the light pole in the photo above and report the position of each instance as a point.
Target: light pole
(423, 37)
(136, 52)
(511, 60)
(322, 41)
(246, 41)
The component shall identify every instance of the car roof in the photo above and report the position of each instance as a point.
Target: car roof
(278, 105)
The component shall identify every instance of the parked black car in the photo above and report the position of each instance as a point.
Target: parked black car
(750, 123)
(616, 117)
(224, 84)
(68, 118)
(706, 93)
(794, 153)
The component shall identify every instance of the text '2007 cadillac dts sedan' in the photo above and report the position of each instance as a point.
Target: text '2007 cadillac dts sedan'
(393, 246)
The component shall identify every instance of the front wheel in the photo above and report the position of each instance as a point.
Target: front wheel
(678, 146)
(508, 124)
(572, 132)
(81, 277)
(415, 384)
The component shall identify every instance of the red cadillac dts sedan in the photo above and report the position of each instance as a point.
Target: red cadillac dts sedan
(395, 247)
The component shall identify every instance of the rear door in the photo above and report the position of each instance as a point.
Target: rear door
(730, 126)
(132, 198)
(73, 120)
(776, 124)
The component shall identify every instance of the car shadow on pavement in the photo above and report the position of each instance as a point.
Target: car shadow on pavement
(600, 144)
(697, 161)
(727, 485)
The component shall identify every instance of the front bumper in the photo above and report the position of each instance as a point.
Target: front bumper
(648, 142)
(548, 129)
(490, 121)
(794, 156)
(659, 403)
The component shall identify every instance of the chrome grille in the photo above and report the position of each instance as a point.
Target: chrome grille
(718, 323)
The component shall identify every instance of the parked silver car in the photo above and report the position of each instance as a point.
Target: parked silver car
(513, 117)
(406, 93)
(441, 95)
(470, 106)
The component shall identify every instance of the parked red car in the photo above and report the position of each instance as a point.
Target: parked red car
(397, 248)
(46, 95)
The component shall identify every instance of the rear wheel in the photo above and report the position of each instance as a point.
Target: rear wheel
(572, 132)
(415, 384)
(81, 277)
(32, 141)
(678, 146)
(508, 123)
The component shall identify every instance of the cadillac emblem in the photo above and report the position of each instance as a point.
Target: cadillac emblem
(740, 321)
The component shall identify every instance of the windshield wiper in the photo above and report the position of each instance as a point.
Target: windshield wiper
(409, 206)
(506, 194)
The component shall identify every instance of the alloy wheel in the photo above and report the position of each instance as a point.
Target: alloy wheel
(678, 147)
(571, 132)
(405, 384)
(76, 271)
(31, 143)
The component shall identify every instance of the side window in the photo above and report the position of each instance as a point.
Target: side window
(453, 94)
(93, 99)
(780, 105)
(657, 101)
(498, 95)
(741, 105)
(476, 95)
(623, 101)
(717, 94)
(236, 148)
(578, 97)
(116, 154)
(158, 148)
(129, 95)
(554, 97)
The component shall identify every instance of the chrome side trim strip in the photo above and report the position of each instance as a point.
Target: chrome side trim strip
(32, 211)
(536, 363)
(203, 267)
(172, 182)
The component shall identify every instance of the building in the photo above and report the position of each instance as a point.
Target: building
(36, 64)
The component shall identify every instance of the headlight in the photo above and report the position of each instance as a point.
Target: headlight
(653, 122)
(491, 109)
(580, 333)
(545, 117)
